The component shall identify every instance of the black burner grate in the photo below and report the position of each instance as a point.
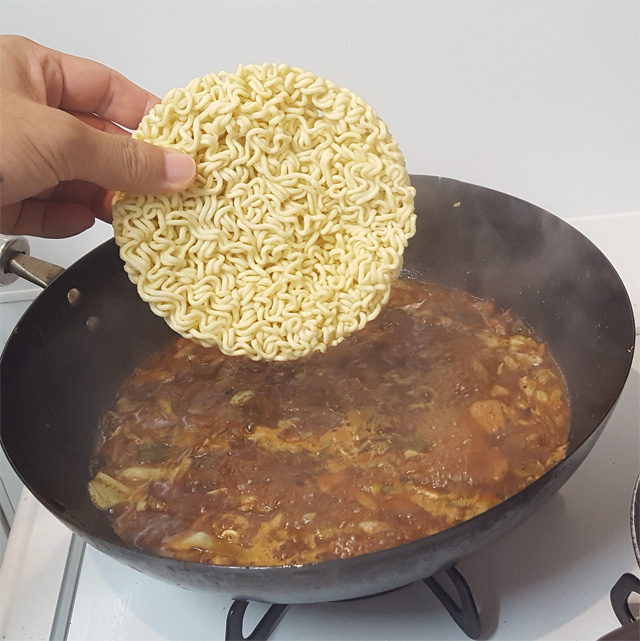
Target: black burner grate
(461, 606)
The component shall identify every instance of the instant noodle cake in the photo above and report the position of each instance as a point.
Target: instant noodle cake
(291, 235)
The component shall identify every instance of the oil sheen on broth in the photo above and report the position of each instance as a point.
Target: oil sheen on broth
(437, 410)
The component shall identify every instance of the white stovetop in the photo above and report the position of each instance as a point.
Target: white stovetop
(548, 579)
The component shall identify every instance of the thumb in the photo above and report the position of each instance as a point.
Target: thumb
(122, 163)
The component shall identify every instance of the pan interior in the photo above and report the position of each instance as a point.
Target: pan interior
(64, 363)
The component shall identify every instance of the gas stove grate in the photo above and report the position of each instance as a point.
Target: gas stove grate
(463, 610)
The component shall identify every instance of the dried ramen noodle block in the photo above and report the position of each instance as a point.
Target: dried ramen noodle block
(294, 229)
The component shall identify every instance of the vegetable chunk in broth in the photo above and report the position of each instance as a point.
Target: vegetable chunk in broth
(437, 410)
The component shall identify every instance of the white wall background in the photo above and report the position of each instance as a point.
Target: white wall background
(537, 99)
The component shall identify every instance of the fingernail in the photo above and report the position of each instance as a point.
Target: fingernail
(179, 170)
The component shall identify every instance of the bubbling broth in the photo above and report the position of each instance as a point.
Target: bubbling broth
(437, 410)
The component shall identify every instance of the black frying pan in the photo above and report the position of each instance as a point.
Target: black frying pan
(70, 352)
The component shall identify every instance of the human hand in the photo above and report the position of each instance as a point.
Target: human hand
(61, 147)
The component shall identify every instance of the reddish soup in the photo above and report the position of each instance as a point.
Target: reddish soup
(437, 410)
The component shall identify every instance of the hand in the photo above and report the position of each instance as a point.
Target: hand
(61, 149)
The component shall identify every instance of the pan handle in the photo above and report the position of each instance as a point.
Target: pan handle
(626, 585)
(16, 262)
